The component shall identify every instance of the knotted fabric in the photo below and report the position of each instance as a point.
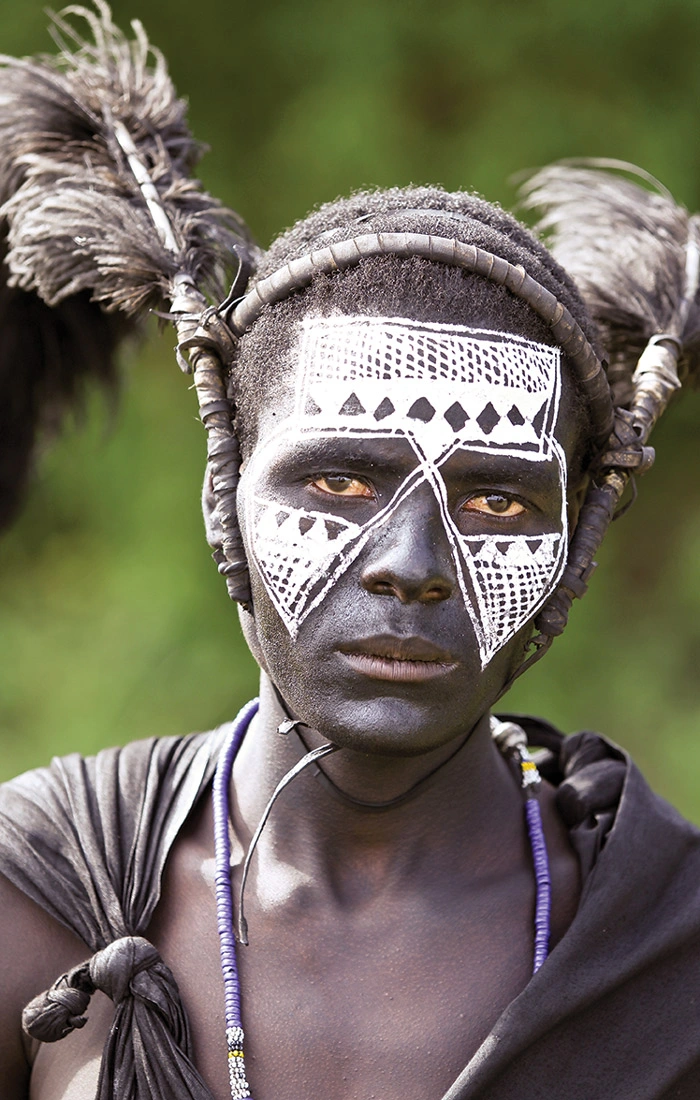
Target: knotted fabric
(87, 839)
(128, 967)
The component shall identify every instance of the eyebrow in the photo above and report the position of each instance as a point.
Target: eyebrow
(498, 466)
(339, 446)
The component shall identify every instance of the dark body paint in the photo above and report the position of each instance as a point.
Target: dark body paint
(383, 945)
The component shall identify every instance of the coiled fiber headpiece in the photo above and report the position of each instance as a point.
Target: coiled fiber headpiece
(97, 157)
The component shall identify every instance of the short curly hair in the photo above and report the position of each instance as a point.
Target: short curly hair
(416, 288)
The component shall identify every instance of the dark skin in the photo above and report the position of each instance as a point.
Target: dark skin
(384, 945)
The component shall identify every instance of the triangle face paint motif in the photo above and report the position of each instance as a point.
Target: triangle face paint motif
(510, 579)
(352, 406)
(421, 410)
(384, 408)
(301, 558)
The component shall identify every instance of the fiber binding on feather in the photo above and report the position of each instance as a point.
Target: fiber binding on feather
(101, 216)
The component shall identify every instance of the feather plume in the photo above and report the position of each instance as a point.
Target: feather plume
(98, 216)
(627, 247)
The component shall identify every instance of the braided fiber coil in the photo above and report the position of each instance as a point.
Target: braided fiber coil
(654, 382)
(210, 347)
(298, 273)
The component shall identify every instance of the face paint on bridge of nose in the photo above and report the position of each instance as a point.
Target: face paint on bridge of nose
(443, 388)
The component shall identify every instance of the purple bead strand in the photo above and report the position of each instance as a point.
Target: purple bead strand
(540, 859)
(224, 903)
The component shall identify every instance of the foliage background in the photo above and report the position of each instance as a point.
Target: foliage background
(113, 623)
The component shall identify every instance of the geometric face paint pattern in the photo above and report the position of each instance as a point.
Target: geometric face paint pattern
(443, 388)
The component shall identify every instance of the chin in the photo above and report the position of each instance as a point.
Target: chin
(394, 699)
(386, 720)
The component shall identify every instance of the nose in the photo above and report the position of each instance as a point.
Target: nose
(410, 557)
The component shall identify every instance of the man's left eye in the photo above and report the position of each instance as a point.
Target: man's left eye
(340, 486)
(494, 504)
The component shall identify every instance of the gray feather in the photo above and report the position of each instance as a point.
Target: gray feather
(625, 247)
(76, 234)
(77, 217)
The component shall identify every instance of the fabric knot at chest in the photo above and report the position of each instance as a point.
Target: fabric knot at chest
(120, 970)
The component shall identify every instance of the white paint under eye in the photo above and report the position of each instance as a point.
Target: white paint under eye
(443, 388)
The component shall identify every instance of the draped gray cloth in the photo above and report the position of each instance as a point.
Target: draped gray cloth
(614, 1013)
(87, 839)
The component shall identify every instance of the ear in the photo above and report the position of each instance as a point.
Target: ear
(214, 534)
(212, 526)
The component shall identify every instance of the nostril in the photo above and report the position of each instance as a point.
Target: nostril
(436, 592)
(407, 589)
(382, 588)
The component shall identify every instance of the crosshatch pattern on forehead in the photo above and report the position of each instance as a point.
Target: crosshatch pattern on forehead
(444, 385)
(396, 347)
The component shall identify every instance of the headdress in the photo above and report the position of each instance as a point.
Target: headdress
(101, 222)
(98, 204)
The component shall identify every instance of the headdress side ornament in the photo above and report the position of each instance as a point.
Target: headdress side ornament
(102, 220)
(634, 254)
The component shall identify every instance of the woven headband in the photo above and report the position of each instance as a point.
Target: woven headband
(567, 333)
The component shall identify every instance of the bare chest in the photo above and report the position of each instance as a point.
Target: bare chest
(391, 1000)
(391, 1006)
(394, 1007)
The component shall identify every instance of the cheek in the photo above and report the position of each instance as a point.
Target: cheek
(505, 582)
(297, 553)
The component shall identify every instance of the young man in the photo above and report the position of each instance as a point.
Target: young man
(418, 405)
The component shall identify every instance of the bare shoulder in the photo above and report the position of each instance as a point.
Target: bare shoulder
(34, 950)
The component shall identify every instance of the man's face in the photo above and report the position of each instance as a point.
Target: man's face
(405, 518)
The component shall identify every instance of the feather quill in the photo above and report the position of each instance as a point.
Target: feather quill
(99, 215)
(626, 246)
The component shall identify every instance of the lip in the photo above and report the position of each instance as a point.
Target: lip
(409, 660)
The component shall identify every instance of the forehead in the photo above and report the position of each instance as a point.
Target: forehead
(442, 386)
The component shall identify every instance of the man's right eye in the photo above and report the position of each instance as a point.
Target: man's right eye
(339, 485)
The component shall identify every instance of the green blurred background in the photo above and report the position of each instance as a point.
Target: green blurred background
(113, 622)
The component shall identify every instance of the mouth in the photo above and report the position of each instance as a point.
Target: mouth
(399, 660)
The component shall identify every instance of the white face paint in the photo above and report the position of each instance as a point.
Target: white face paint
(443, 388)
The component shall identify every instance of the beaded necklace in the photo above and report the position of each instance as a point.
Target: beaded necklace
(511, 741)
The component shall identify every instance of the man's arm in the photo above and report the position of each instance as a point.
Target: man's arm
(34, 951)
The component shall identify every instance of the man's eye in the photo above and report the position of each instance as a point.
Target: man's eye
(339, 486)
(494, 504)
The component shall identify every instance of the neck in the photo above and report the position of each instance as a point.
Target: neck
(462, 789)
